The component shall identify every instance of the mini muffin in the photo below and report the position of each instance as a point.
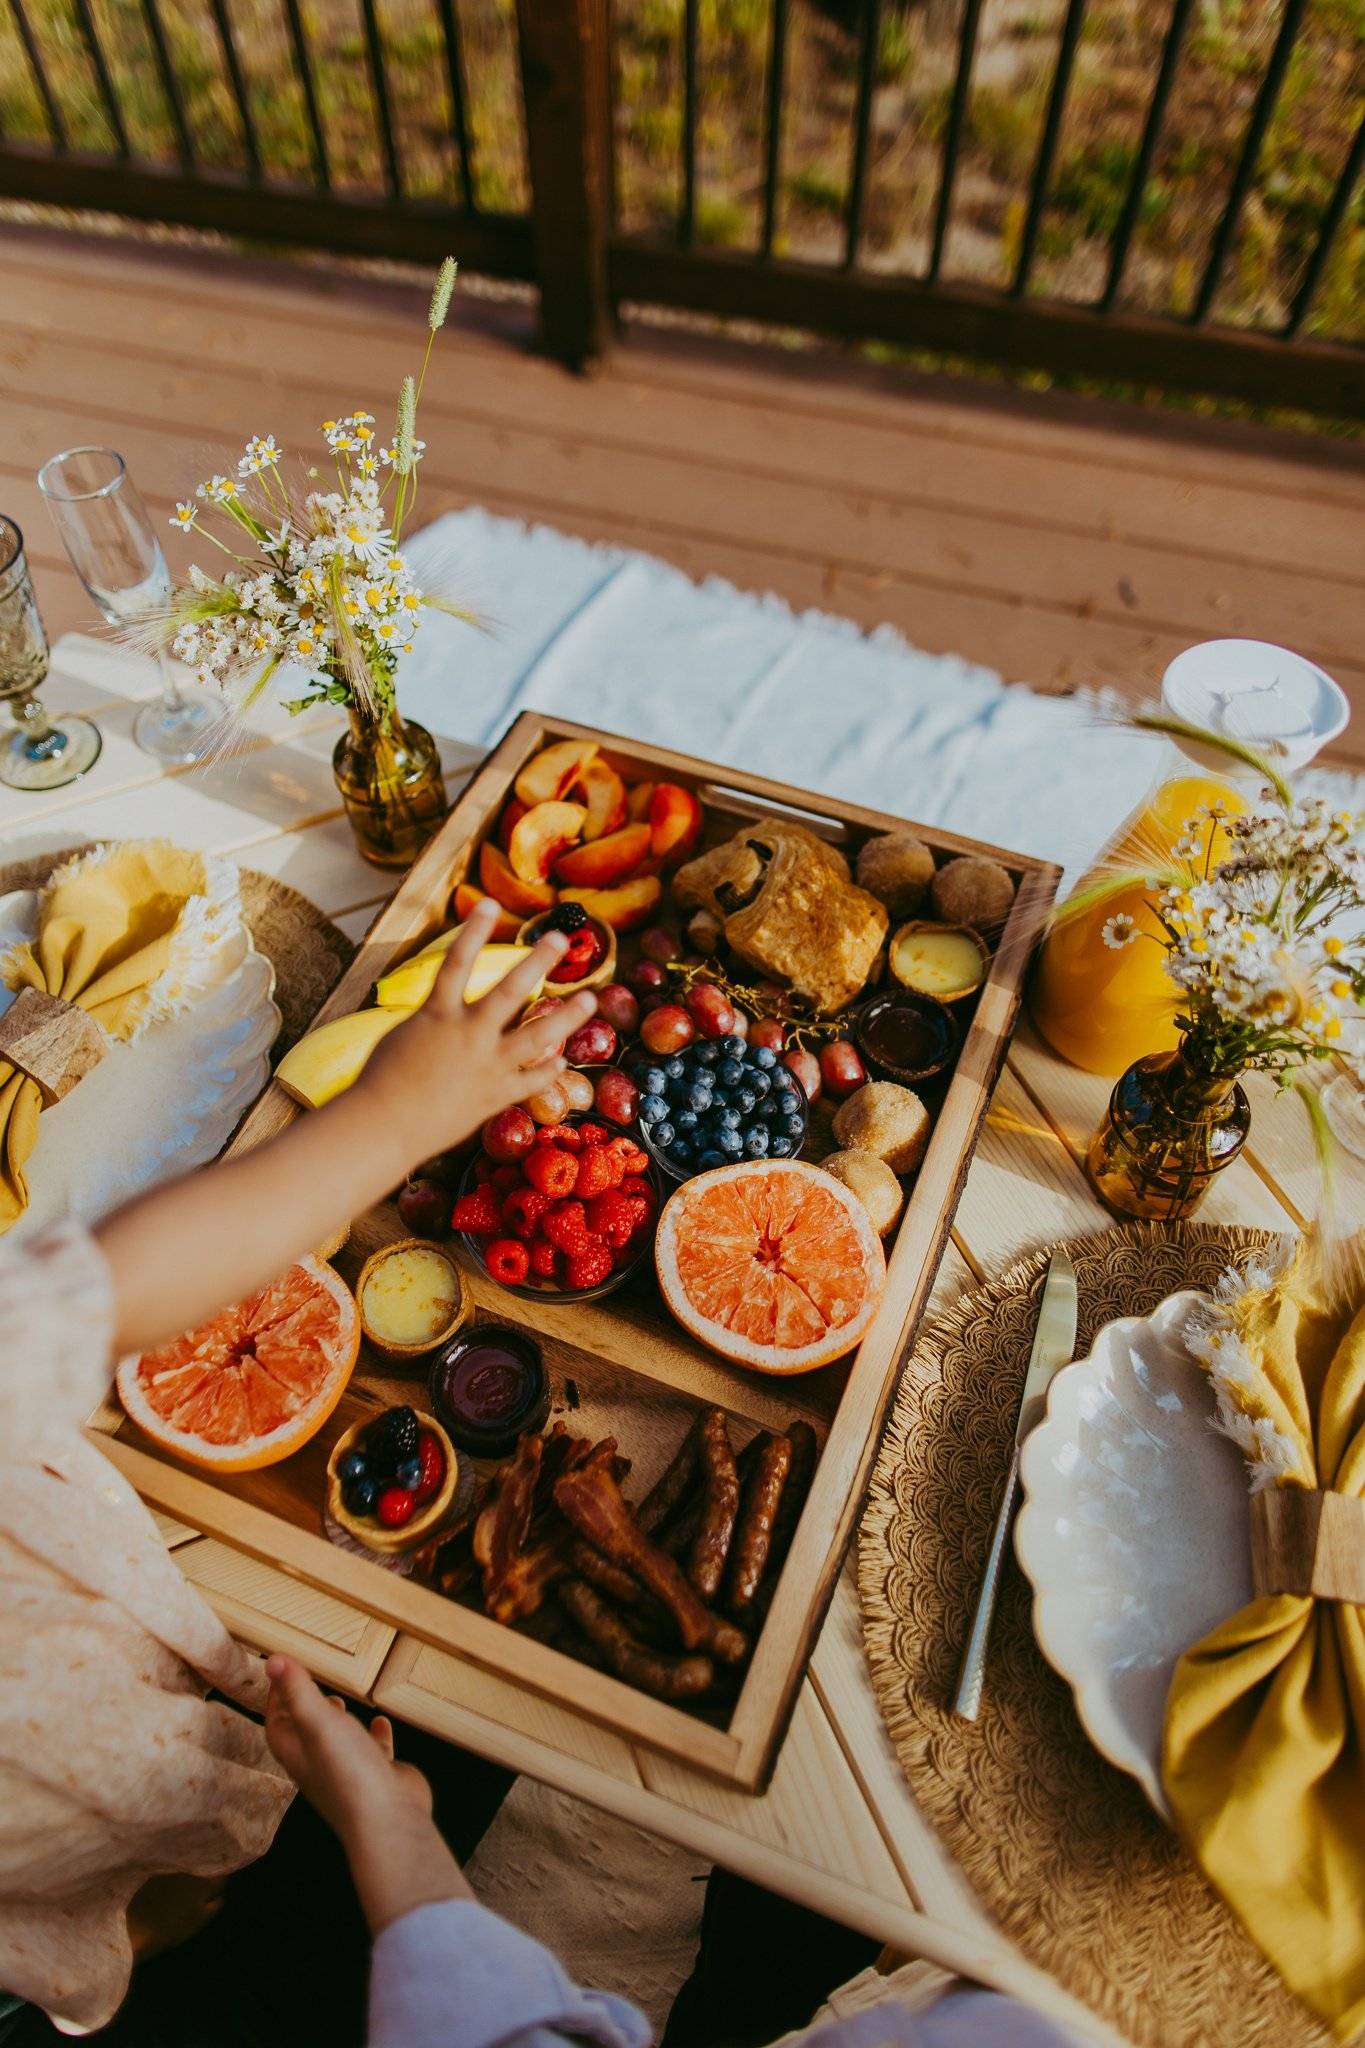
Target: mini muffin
(972, 891)
(889, 1121)
(897, 869)
(873, 1182)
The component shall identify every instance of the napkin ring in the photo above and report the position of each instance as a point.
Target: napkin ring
(1308, 1543)
(53, 1042)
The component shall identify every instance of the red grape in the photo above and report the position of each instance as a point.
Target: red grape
(667, 1029)
(841, 1070)
(424, 1206)
(806, 1068)
(658, 943)
(620, 1008)
(646, 978)
(618, 1098)
(769, 1031)
(592, 1045)
(658, 1001)
(710, 1010)
(740, 1027)
(508, 1135)
(578, 1090)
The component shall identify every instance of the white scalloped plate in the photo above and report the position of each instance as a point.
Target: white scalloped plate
(157, 1107)
(1134, 1530)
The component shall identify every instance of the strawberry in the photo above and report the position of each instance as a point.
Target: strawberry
(593, 1134)
(478, 1213)
(565, 1137)
(566, 1227)
(551, 1172)
(433, 1462)
(588, 1268)
(594, 1172)
(523, 1209)
(545, 1260)
(508, 1261)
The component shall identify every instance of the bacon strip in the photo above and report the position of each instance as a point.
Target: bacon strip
(502, 1529)
(592, 1502)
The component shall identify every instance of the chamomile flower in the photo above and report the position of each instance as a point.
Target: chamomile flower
(1119, 931)
(185, 515)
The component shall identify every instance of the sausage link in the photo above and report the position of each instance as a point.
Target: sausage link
(668, 1678)
(668, 1492)
(720, 1493)
(757, 1516)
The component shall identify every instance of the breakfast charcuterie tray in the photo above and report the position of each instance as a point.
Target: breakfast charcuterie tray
(623, 1366)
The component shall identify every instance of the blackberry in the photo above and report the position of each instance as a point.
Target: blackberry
(392, 1440)
(566, 917)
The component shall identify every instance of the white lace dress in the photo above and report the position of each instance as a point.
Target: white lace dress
(113, 1764)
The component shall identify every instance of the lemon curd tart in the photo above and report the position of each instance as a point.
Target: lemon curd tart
(412, 1296)
(944, 960)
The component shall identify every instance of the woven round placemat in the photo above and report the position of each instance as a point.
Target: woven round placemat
(1062, 1848)
(307, 951)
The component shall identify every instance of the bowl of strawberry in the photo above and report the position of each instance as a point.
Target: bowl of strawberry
(591, 958)
(391, 1479)
(563, 1209)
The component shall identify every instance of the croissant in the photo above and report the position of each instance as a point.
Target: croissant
(789, 908)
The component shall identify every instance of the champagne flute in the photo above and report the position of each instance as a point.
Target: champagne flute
(47, 750)
(109, 536)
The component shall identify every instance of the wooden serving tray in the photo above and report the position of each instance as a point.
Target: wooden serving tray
(622, 1366)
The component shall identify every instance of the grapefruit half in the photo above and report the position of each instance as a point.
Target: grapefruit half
(771, 1263)
(255, 1383)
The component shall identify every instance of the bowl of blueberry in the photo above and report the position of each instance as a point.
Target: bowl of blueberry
(392, 1479)
(719, 1101)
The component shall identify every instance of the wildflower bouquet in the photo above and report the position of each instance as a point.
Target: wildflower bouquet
(318, 578)
(1263, 923)
(1261, 916)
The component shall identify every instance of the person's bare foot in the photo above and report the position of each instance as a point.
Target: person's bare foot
(168, 1910)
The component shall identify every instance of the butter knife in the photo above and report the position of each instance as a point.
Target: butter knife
(1054, 1345)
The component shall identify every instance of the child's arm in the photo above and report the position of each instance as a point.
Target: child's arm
(182, 1252)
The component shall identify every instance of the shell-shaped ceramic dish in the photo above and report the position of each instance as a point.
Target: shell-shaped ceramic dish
(1135, 1530)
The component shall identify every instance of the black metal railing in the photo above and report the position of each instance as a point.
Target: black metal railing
(419, 155)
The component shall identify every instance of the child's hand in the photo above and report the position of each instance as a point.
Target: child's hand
(342, 1768)
(380, 1810)
(442, 1074)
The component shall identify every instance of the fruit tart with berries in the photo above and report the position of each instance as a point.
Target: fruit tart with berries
(392, 1479)
(591, 959)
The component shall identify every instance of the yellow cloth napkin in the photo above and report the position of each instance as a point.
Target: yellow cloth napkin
(1262, 1759)
(105, 939)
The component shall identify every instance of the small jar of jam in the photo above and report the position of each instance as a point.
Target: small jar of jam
(489, 1386)
(905, 1036)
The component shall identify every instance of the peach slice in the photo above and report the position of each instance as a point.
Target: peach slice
(508, 924)
(527, 899)
(541, 836)
(604, 861)
(624, 908)
(604, 793)
(638, 801)
(675, 822)
(552, 773)
(513, 810)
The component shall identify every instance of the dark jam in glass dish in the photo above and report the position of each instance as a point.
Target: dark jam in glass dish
(906, 1037)
(489, 1387)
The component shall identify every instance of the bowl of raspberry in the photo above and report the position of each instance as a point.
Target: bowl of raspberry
(571, 1215)
(591, 959)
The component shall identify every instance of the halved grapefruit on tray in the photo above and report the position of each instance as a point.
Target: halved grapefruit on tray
(771, 1263)
(253, 1384)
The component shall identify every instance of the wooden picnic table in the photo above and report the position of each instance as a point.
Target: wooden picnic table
(838, 1830)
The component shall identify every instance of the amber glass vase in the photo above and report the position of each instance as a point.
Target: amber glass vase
(389, 775)
(1167, 1131)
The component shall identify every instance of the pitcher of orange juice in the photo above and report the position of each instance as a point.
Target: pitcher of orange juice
(1102, 1005)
